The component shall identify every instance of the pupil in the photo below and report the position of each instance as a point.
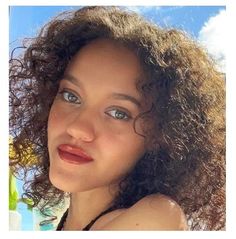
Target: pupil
(71, 98)
(119, 115)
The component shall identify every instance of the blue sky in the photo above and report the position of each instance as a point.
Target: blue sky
(26, 21)
(204, 23)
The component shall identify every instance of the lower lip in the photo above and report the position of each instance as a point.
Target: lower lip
(71, 158)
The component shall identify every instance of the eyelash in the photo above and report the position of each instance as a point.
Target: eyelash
(126, 115)
(119, 114)
(69, 94)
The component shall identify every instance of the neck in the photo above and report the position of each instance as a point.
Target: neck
(85, 206)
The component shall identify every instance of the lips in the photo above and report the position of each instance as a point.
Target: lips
(73, 155)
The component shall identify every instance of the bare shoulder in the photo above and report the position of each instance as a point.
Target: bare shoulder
(153, 212)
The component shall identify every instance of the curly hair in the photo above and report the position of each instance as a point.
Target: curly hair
(184, 123)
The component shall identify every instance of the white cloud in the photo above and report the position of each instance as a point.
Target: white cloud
(213, 37)
(142, 9)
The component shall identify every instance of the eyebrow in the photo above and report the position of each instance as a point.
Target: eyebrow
(71, 79)
(130, 98)
(118, 96)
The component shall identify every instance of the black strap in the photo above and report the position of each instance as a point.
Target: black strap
(86, 228)
(62, 221)
(94, 220)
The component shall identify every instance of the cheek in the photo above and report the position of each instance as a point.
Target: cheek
(124, 149)
(120, 156)
(134, 147)
(52, 115)
(55, 116)
(54, 122)
(51, 122)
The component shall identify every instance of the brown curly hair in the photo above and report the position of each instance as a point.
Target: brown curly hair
(185, 123)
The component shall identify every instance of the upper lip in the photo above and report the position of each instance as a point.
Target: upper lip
(74, 150)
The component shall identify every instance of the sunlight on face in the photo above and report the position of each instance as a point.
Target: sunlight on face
(93, 113)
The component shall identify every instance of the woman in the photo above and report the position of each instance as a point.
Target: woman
(126, 117)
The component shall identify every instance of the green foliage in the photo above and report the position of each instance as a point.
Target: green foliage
(28, 202)
(13, 193)
(29, 159)
(14, 196)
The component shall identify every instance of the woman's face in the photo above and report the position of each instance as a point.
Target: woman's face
(91, 139)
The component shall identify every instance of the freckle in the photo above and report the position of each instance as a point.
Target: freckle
(137, 224)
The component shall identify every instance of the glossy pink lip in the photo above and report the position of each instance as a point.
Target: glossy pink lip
(73, 155)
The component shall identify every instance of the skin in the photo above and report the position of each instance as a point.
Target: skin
(154, 212)
(101, 123)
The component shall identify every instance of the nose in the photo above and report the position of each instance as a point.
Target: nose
(81, 127)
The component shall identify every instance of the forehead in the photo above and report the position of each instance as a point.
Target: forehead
(107, 62)
(106, 47)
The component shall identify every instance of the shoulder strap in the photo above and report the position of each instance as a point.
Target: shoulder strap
(86, 228)
(62, 221)
(94, 220)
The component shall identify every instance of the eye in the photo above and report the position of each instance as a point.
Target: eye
(70, 97)
(118, 114)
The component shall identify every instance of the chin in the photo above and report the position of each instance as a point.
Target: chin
(63, 186)
(66, 185)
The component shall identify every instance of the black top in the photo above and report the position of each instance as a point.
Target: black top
(86, 228)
